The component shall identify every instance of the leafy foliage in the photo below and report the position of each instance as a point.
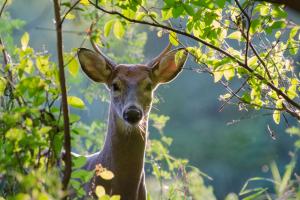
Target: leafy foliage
(251, 43)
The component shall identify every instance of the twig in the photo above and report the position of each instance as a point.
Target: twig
(3, 6)
(68, 11)
(67, 137)
(242, 64)
(235, 92)
(248, 30)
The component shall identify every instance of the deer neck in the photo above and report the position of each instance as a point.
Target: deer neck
(125, 146)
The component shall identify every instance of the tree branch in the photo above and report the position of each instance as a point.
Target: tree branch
(67, 137)
(70, 9)
(3, 6)
(240, 63)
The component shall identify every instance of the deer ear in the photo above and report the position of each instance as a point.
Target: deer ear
(94, 65)
(169, 65)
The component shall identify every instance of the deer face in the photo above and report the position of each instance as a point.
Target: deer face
(131, 86)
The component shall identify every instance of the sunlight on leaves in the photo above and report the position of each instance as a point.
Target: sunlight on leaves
(24, 40)
(75, 102)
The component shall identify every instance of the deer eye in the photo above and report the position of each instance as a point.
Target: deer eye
(148, 86)
(115, 87)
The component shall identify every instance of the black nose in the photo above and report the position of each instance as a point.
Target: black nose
(132, 115)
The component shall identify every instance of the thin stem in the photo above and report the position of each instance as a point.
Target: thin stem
(240, 63)
(67, 137)
(3, 6)
(71, 8)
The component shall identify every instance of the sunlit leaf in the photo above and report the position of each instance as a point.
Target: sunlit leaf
(294, 31)
(235, 35)
(217, 75)
(115, 197)
(140, 15)
(24, 40)
(44, 129)
(15, 134)
(2, 85)
(75, 102)
(292, 91)
(70, 16)
(276, 116)
(106, 175)
(107, 27)
(85, 2)
(277, 34)
(253, 61)
(166, 14)
(72, 64)
(229, 73)
(119, 30)
(100, 191)
(173, 38)
(104, 197)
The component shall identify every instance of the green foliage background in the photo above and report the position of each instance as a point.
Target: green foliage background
(228, 152)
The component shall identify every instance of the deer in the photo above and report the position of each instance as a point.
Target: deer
(131, 88)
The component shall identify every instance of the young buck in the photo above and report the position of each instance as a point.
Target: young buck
(131, 91)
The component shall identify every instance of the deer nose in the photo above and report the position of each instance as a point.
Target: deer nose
(132, 115)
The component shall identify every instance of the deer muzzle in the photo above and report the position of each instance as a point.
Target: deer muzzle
(132, 115)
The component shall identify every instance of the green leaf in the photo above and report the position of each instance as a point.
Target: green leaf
(253, 61)
(189, 9)
(75, 102)
(42, 63)
(106, 175)
(229, 73)
(294, 31)
(73, 65)
(2, 85)
(79, 161)
(255, 26)
(278, 12)
(140, 16)
(119, 29)
(235, 35)
(107, 27)
(170, 2)
(15, 134)
(104, 197)
(263, 9)
(221, 3)
(291, 92)
(44, 130)
(100, 191)
(70, 16)
(218, 74)
(276, 25)
(82, 174)
(276, 116)
(177, 11)
(115, 197)
(25, 40)
(85, 2)
(173, 38)
(277, 34)
(166, 13)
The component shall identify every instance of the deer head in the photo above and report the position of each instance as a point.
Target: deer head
(131, 86)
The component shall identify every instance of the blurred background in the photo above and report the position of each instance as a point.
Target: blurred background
(230, 146)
